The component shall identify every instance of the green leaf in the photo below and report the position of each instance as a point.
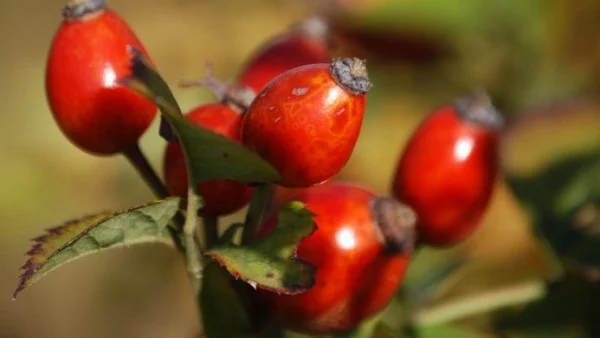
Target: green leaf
(91, 234)
(228, 236)
(427, 331)
(556, 196)
(572, 227)
(223, 314)
(442, 17)
(259, 205)
(582, 248)
(549, 331)
(397, 317)
(366, 329)
(383, 331)
(428, 274)
(210, 156)
(540, 191)
(448, 331)
(271, 263)
(582, 188)
(569, 309)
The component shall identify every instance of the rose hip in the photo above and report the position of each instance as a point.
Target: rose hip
(87, 56)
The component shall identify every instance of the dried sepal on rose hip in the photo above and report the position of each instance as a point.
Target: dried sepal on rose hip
(236, 95)
(306, 121)
(361, 249)
(448, 169)
(87, 56)
(220, 197)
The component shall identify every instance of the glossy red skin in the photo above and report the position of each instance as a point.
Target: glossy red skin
(449, 192)
(305, 125)
(86, 58)
(221, 197)
(282, 54)
(353, 280)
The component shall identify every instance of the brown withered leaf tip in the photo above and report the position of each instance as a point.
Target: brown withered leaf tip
(50, 243)
(59, 238)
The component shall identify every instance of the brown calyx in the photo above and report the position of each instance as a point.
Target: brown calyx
(351, 74)
(477, 108)
(82, 9)
(395, 222)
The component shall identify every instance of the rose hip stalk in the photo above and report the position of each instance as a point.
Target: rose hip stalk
(87, 57)
(306, 121)
(361, 250)
(448, 169)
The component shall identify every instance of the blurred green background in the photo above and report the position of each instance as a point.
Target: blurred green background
(538, 59)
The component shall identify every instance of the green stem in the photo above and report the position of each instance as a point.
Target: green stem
(258, 207)
(365, 329)
(192, 248)
(211, 228)
(481, 303)
(143, 167)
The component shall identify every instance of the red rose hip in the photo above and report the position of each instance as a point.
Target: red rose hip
(448, 169)
(361, 250)
(306, 121)
(87, 57)
(220, 197)
(305, 43)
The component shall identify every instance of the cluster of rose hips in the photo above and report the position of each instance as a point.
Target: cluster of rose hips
(303, 115)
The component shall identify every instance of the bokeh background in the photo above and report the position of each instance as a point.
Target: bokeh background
(538, 59)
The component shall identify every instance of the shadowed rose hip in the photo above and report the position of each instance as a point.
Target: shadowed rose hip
(305, 43)
(448, 169)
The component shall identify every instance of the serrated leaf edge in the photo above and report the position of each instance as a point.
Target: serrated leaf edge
(214, 254)
(29, 268)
